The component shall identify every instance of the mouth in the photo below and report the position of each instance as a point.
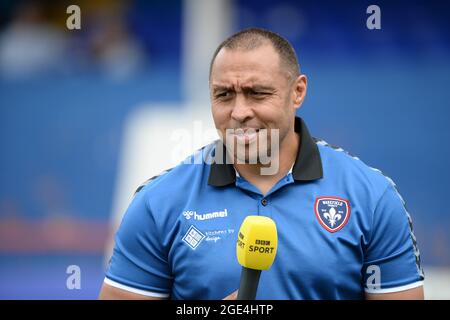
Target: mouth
(246, 135)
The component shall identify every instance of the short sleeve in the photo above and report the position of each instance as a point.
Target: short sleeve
(139, 262)
(392, 258)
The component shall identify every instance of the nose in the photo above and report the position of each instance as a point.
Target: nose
(241, 111)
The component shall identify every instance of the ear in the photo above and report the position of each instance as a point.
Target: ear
(299, 88)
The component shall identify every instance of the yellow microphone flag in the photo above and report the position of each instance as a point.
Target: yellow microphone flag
(257, 242)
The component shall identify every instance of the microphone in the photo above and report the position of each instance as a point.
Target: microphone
(256, 248)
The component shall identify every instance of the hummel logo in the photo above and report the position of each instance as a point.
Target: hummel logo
(206, 216)
(188, 214)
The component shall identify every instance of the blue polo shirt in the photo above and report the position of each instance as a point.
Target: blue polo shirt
(343, 230)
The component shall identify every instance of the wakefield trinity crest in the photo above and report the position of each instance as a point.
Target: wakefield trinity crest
(332, 212)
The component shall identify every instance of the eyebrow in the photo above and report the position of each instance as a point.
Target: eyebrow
(221, 88)
(259, 87)
(255, 87)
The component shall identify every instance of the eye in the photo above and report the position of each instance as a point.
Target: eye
(224, 95)
(259, 94)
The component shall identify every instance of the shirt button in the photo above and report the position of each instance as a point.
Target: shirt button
(264, 202)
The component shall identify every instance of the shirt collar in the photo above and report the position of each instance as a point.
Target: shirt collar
(307, 166)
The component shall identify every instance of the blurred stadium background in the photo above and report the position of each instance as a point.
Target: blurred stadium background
(82, 113)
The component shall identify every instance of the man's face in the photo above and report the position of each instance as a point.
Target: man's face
(250, 91)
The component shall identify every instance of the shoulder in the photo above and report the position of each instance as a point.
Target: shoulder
(370, 191)
(339, 164)
(175, 182)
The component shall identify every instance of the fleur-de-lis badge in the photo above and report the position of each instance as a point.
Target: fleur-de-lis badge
(332, 216)
(332, 212)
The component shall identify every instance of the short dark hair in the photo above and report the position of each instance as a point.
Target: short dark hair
(252, 38)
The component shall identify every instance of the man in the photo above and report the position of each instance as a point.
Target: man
(344, 232)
